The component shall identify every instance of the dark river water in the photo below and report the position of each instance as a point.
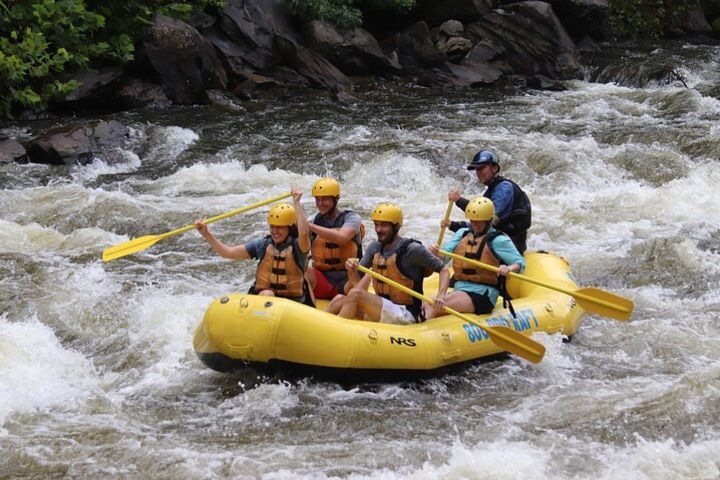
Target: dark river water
(98, 378)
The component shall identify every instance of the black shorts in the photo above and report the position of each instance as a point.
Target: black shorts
(481, 303)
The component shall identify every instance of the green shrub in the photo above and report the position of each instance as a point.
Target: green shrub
(42, 38)
(647, 19)
(344, 13)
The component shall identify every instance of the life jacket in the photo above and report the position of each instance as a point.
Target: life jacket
(391, 268)
(331, 256)
(280, 270)
(476, 248)
(520, 217)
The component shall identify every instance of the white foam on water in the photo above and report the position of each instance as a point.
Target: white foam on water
(260, 405)
(161, 327)
(17, 238)
(166, 143)
(86, 173)
(664, 459)
(221, 179)
(37, 373)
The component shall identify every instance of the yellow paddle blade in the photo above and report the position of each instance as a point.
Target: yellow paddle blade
(128, 248)
(604, 303)
(591, 299)
(514, 342)
(137, 244)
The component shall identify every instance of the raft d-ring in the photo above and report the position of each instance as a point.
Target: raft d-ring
(373, 335)
(268, 304)
(446, 337)
(548, 308)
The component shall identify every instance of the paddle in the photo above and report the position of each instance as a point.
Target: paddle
(447, 217)
(141, 243)
(504, 337)
(591, 299)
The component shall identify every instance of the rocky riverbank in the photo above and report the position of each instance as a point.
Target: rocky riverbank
(255, 48)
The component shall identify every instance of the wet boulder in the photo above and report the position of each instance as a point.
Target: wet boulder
(415, 49)
(10, 150)
(184, 62)
(531, 38)
(320, 72)
(451, 41)
(245, 35)
(138, 93)
(77, 144)
(695, 22)
(354, 51)
(434, 12)
(94, 90)
(583, 18)
(473, 74)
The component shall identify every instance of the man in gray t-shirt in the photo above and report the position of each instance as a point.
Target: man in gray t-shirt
(402, 260)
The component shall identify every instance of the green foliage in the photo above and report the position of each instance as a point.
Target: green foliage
(344, 13)
(41, 39)
(647, 19)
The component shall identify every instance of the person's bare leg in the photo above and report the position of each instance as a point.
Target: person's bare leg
(369, 306)
(335, 304)
(350, 304)
(457, 300)
(311, 280)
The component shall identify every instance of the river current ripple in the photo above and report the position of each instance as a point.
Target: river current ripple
(97, 374)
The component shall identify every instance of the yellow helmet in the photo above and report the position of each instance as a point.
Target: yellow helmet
(281, 215)
(480, 209)
(387, 212)
(326, 187)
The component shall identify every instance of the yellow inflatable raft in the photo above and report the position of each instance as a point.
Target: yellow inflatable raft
(241, 330)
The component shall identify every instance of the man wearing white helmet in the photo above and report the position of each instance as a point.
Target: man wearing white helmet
(476, 290)
(282, 255)
(403, 260)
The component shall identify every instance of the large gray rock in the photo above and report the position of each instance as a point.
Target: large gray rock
(415, 49)
(246, 31)
(583, 18)
(454, 46)
(10, 150)
(474, 74)
(310, 65)
(77, 144)
(138, 93)
(434, 12)
(355, 51)
(532, 39)
(695, 22)
(184, 62)
(93, 83)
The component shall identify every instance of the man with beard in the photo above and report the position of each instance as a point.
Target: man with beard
(404, 260)
(336, 236)
(512, 205)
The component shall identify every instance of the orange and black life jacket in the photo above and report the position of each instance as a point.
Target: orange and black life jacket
(281, 270)
(391, 268)
(331, 256)
(476, 248)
